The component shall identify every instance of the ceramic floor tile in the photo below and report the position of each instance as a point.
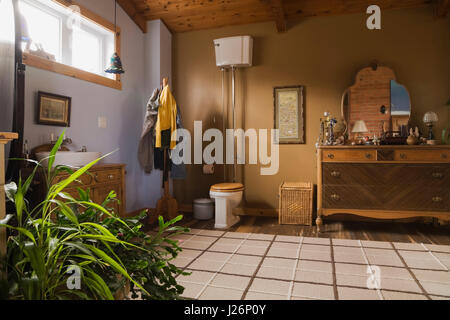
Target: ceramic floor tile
(349, 258)
(432, 276)
(316, 247)
(182, 262)
(279, 262)
(431, 264)
(315, 255)
(191, 290)
(229, 248)
(314, 276)
(379, 252)
(211, 233)
(347, 250)
(314, 266)
(357, 294)
(438, 248)
(285, 246)
(215, 256)
(270, 286)
(442, 256)
(187, 253)
(275, 273)
(236, 235)
(200, 277)
(260, 251)
(214, 293)
(316, 240)
(243, 259)
(392, 261)
(195, 231)
(400, 285)
(230, 281)
(206, 265)
(237, 269)
(345, 242)
(316, 291)
(415, 255)
(264, 296)
(181, 237)
(391, 295)
(293, 239)
(352, 281)
(351, 269)
(256, 243)
(259, 236)
(201, 238)
(442, 289)
(395, 273)
(439, 298)
(195, 245)
(409, 246)
(376, 244)
(229, 241)
(283, 253)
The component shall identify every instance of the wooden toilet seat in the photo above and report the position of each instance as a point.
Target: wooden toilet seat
(227, 187)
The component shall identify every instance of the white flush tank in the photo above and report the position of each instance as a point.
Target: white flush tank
(234, 51)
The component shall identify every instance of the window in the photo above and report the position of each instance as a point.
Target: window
(64, 42)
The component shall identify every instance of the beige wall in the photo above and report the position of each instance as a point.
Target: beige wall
(323, 54)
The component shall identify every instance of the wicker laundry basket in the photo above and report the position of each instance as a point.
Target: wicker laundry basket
(296, 203)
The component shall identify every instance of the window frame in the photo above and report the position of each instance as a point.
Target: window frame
(64, 69)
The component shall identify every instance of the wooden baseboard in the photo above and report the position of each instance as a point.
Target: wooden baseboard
(256, 212)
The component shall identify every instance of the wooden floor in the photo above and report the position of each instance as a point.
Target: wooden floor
(377, 231)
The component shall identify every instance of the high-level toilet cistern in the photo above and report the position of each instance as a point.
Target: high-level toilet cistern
(232, 52)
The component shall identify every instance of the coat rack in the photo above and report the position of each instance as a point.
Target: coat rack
(167, 206)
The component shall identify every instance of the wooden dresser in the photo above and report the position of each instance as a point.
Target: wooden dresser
(386, 182)
(100, 180)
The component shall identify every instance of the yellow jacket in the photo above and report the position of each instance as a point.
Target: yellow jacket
(167, 117)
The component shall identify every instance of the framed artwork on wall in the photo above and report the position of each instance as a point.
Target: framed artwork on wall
(289, 114)
(53, 109)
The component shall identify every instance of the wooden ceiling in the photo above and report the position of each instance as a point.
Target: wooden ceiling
(188, 15)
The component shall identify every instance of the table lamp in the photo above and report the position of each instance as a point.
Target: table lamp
(430, 118)
(358, 128)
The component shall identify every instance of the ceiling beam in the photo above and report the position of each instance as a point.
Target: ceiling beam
(441, 8)
(276, 6)
(129, 7)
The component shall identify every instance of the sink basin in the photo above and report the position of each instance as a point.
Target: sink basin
(68, 158)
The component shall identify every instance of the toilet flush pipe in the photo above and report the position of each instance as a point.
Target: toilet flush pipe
(223, 118)
(233, 93)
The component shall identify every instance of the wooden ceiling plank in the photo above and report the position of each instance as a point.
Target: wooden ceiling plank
(129, 7)
(441, 8)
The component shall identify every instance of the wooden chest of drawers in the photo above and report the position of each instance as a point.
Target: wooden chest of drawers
(386, 182)
(100, 180)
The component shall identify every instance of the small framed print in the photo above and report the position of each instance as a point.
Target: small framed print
(289, 115)
(53, 109)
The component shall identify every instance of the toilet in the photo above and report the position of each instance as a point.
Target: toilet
(227, 196)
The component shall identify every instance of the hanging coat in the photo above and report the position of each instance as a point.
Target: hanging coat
(167, 117)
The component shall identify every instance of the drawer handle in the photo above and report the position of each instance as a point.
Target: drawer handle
(368, 156)
(331, 156)
(437, 199)
(335, 197)
(402, 155)
(444, 156)
(111, 176)
(335, 174)
(437, 175)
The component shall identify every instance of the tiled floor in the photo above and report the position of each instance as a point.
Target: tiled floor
(245, 266)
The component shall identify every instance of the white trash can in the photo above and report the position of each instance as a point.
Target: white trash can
(203, 209)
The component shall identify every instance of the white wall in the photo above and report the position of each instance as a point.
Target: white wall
(124, 109)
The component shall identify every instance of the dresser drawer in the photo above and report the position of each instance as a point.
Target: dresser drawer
(113, 175)
(389, 175)
(353, 197)
(422, 155)
(84, 180)
(334, 155)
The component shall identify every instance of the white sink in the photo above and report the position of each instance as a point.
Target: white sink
(68, 158)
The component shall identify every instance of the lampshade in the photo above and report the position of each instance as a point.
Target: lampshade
(359, 127)
(115, 65)
(430, 117)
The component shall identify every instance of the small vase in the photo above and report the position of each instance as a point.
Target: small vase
(412, 140)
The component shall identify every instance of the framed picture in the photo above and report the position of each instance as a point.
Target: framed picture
(53, 109)
(289, 114)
